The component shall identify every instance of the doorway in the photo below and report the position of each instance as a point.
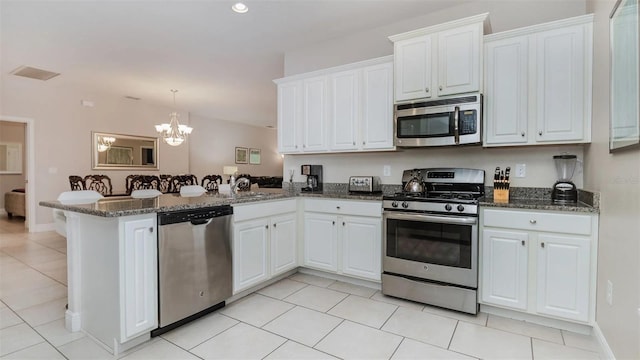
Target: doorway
(18, 140)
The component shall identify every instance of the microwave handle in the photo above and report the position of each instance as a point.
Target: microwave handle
(456, 125)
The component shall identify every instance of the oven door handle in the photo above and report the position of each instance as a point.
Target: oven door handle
(432, 218)
(456, 125)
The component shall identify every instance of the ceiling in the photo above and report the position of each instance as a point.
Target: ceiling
(222, 63)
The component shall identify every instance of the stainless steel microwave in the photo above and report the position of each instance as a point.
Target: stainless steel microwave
(442, 122)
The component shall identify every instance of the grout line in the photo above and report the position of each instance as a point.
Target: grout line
(453, 334)
(390, 316)
(327, 334)
(397, 347)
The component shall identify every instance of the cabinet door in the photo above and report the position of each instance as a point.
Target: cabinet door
(283, 243)
(560, 72)
(289, 116)
(563, 276)
(140, 278)
(344, 110)
(250, 241)
(459, 60)
(314, 114)
(504, 268)
(506, 91)
(377, 107)
(361, 246)
(412, 61)
(320, 241)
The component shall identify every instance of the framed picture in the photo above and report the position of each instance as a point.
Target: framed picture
(120, 155)
(254, 156)
(242, 155)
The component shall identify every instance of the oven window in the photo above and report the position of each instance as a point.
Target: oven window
(430, 125)
(432, 243)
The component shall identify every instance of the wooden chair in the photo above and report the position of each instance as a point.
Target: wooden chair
(179, 181)
(76, 183)
(211, 182)
(99, 183)
(143, 182)
(245, 187)
(165, 183)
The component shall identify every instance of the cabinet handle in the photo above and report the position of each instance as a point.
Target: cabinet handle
(266, 226)
(540, 133)
(542, 244)
(426, 90)
(440, 87)
(303, 145)
(274, 225)
(364, 143)
(354, 143)
(533, 221)
(296, 146)
(338, 207)
(150, 229)
(523, 243)
(333, 223)
(522, 134)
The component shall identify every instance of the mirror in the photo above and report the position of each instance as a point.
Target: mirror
(10, 158)
(124, 152)
(625, 76)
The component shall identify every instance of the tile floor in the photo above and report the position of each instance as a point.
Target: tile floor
(301, 317)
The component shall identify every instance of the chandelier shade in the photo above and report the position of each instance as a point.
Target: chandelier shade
(173, 133)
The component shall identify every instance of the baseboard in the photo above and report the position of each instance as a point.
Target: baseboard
(607, 353)
(348, 279)
(43, 227)
(584, 329)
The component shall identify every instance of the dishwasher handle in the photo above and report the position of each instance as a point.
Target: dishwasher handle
(200, 221)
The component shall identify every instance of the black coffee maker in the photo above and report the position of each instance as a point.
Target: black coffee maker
(314, 177)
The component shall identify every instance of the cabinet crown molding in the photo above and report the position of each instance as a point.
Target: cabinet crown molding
(578, 20)
(326, 71)
(480, 18)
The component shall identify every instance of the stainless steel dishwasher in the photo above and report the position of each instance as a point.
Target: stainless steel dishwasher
(194, 264)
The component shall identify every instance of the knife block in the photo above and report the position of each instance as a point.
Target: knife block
(501, 195)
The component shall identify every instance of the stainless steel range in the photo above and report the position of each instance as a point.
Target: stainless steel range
(431, 238)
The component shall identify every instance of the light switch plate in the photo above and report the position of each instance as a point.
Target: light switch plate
(386, 170)
(521, 170)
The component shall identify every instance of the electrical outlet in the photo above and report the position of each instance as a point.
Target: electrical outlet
(521, 170)
(609, 292)
(386, 170)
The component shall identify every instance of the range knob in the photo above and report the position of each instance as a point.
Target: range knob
(460, 208)
(394, 204)
(405, 204)
(447, 207)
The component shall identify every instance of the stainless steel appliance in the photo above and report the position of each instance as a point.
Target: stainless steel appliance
(564, 191)
(314, 177)
(454, 121)
(430, 251)
(194, 264)
(365, 184)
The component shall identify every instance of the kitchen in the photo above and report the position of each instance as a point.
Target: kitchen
(539, 164)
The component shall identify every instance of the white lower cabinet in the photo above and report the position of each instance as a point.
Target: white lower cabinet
(540, 262)
(344, 237)
(264, 242)
(138, 274)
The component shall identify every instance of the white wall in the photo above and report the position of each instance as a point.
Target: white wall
(504, 15)
(12, 132)
(617, 178)
(63, 132)
(213, 142)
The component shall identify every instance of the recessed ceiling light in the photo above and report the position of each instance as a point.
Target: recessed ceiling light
(240, 8)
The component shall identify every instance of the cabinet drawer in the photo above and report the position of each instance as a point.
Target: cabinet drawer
(538, 221)
(344, 207)
(261, 209)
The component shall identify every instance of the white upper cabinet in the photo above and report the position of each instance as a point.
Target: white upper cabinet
(314, 114)
(440, 60)
(538, 84)
(347, 108)
(412, 59)
(459, 54)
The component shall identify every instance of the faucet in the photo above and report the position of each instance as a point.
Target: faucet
(235, 184)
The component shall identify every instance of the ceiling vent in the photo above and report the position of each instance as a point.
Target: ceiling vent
(34, 73)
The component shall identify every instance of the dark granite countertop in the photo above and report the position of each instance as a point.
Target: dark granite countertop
(523, 198)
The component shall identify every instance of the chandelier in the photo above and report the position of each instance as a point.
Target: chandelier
(104, 143)
(173, 133)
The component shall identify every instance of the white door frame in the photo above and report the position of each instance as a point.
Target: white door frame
(31, 168)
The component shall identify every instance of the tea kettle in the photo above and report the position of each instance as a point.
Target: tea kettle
(415, 184)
